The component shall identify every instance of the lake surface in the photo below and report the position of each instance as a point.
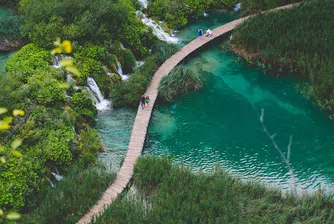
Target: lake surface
(220, 124)
(4, 56)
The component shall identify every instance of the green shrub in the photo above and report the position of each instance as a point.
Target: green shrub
(180, 80)
(83, 106)
(46, 89)
(162, 51)
(57, 146)
(72, 197)
(87, 144)
(128, 61)
(10, 28)
(28, 61)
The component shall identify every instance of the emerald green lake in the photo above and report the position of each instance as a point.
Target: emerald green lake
(219, 125)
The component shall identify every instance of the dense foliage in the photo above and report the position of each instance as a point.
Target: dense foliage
(302, 47)
(94, 21)
(129, 92)
(10, 28)
(55, 128)
(168, 193)
(63, 203)
(180, 80)
(177, 13)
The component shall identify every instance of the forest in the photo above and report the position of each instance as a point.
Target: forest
(57, 128)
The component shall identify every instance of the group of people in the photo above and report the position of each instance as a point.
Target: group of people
(144, 101)
(208, 32)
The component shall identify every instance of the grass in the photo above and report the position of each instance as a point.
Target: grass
(72, 197)
(295, 41)
(173, 194)
(180, 80)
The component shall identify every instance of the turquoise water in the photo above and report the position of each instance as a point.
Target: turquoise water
(4, 56)
(214, 20)
(219, 125)
(115, 129)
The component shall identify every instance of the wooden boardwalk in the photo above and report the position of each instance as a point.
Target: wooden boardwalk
(142, 120)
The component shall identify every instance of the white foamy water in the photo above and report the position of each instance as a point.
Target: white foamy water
(57, 176)
(101, 104)
(140, 63)
(143, 3)
(156, 28)
(120, 71)
(237, 7)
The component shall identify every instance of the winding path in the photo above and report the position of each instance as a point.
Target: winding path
(143, 118)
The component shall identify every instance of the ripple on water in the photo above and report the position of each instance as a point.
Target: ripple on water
(219, 125)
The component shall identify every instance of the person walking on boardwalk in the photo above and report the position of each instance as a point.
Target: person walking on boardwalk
(142, 101)
(147, 100)
(200, 32)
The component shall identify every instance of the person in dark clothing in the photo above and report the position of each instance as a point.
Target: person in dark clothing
(142, 101)
(200, 32)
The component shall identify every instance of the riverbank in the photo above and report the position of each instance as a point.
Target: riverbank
(166, 193)
(300, 49)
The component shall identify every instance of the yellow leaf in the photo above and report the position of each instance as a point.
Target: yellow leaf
(2, 148)
(1, 212)
(4, 125)
(67, 46)
(18, 113)
(56, 51)
(13, 216)
(3, 160)
(3, 110)
(57, 42)
(17, 154)
(66, 62)
(16, 143)
(73, 70)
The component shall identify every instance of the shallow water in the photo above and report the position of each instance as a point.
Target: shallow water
(115, 129)
(219, 125)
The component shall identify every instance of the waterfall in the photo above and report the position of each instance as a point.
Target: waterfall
(94, 90)
(120, 71)
(157, 29)
(56, 60)
(205, 14)
(143, 3)
(57, 176)
(139, 63)
(237, 7)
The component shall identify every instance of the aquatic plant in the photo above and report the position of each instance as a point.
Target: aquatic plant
(180, 80)
(301, 48)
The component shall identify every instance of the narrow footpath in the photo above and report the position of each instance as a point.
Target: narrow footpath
(142, 120)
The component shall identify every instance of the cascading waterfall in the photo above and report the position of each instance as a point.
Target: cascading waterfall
(57, 176)
(101, 104)
(143, 3)
(156, 28)
(237, 7)
(120, 71)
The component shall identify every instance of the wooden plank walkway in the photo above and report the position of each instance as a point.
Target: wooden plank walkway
(142, 120)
